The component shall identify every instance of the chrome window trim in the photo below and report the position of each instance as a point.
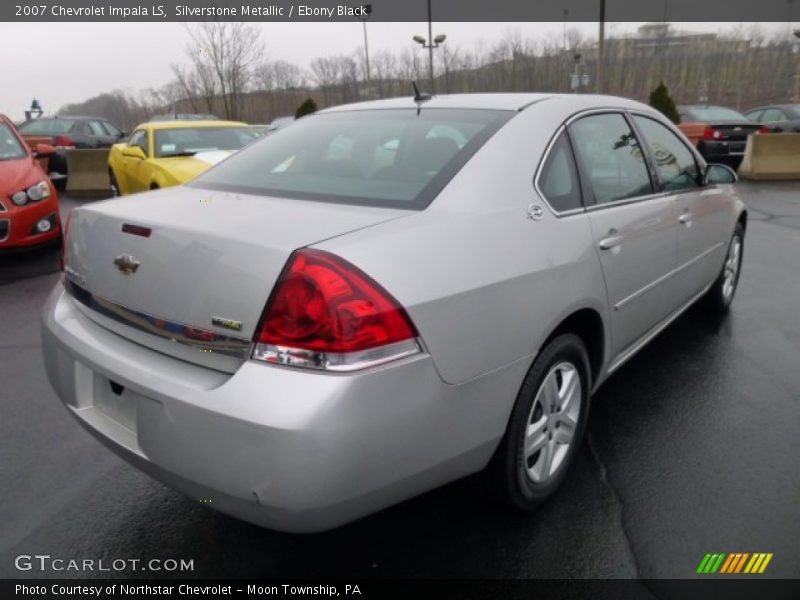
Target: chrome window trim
(625, 201)
(8, 230)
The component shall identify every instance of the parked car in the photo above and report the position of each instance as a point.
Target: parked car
(386, 297)
(165, 153)
(68, 132)
(778, 118)
(28, 201)
(724, 137)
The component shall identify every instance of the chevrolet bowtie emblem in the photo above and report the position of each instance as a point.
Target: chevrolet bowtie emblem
(126, 264)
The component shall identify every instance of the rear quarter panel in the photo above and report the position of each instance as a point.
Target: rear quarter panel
(484, 284)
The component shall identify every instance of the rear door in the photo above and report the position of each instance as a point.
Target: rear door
(701, 211)
(634, 227)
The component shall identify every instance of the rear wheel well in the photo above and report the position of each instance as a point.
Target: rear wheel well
(587, 325)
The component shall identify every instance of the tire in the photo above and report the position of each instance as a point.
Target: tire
(154, 186)
(720, 295)
(115, 191)
(521, 478)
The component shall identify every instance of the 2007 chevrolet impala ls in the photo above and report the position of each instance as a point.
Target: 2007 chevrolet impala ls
(385, 297)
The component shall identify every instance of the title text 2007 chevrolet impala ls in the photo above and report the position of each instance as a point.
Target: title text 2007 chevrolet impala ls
(385, 297)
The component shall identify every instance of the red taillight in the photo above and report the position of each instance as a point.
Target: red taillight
(709, 133)
(326, 313)
(763, 130)
(63, 141)
(64, 239)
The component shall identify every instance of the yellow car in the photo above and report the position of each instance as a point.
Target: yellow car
(165, 153)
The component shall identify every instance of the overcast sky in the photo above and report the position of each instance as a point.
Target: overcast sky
(59, 63)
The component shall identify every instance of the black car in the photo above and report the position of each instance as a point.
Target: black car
(777, 117)
(72, 132)
(725, 136)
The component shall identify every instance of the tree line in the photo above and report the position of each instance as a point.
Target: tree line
(228, 73)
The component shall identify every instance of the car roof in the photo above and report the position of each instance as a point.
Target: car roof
(789, 106)
(499, 101)
(189, 124)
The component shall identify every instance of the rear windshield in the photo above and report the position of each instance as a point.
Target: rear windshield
(10, 148)
(716, 113)
(394, 158)
(183, 141)
(46, 126)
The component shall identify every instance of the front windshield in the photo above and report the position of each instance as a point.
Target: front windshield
(388, 157)
(10, 147)
(187, 141)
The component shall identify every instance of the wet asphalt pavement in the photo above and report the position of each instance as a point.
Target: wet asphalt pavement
(692, 447)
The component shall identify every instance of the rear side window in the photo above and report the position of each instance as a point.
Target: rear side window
(113, 131)
(558, 180)
(389, 157)
(773, 115)
(754, 115)
(611, 157)
(676, 165)
(97, 129)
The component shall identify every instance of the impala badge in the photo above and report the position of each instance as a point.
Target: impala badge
(126, 264)
(227, 323)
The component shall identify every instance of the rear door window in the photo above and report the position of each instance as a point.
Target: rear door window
(611, 157)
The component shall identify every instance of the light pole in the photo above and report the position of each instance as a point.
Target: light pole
(430, 43)
(601, 47)
(365, 15)
(796, 49)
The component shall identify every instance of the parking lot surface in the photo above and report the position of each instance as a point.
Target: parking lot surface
(692, 448)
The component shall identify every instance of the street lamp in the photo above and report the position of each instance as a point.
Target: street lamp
(365, 15)
(435, 42)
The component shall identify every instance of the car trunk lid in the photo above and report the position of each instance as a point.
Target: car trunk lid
(188, 271)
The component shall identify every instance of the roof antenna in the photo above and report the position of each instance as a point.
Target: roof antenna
(418, 96)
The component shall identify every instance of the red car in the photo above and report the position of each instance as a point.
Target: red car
(28, 201)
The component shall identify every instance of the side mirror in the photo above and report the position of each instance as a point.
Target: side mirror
(44, 150)
(719, 174)
(133, 152)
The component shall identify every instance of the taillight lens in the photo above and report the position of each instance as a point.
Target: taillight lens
(65, 239)
(763, 130)
(325, 313)
(63, 141)
(711, 134)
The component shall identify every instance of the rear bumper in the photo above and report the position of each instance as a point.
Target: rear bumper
(722, 151)
(283, 448)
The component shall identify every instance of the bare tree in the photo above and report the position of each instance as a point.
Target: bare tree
(225, 53)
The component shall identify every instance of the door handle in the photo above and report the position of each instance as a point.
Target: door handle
(686, 218)
(610, 242)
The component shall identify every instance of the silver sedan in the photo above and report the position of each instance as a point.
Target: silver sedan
(386, 297)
